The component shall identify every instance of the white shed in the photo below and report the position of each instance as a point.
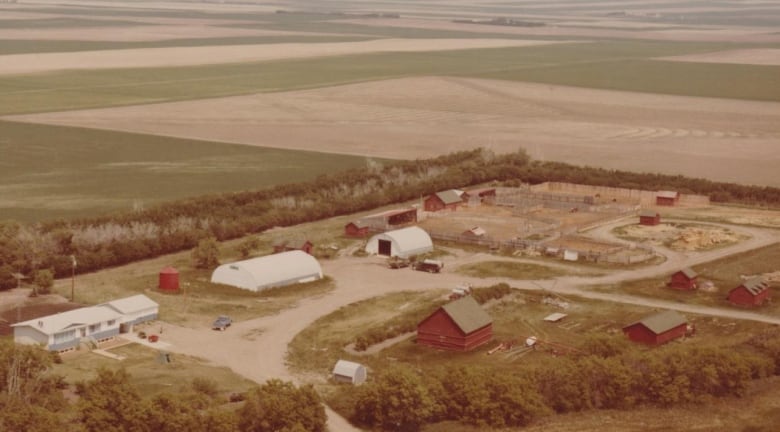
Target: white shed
(270, 271)
(135, 310)
(349, 372)
(570, 255)
(402, 243)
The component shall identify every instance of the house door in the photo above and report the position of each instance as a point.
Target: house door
(83, 331)
(385, 246)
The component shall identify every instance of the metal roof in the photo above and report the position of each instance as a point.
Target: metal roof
(268, 271)
(390, 213)
(132, 304)
(663, 321)
(667, 194)
(755, 286)
(411, 239)
(75, 318)
(346, 368)
(477, 231)
(449, 197)
(689, 273)
(467, 314)
(648, 213)
(555, 317)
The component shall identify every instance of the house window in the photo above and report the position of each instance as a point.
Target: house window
(94, 328)
(111, 322)
(64, 336)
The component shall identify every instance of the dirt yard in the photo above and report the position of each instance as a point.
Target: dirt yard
(424, 117)
(681, 237)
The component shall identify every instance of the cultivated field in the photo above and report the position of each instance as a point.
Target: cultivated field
(747, 56)
(422, 117)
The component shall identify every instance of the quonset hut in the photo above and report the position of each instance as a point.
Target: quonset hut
(270, 271)
(401, 243)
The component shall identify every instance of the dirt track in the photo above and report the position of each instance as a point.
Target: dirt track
(263, 356)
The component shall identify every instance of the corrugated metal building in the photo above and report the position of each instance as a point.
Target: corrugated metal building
(401, 243)
(270, 271)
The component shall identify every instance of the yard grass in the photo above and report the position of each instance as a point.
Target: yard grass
(608, 64)
(148, 374)
(53, 171)
(724, 273)
(512, 270)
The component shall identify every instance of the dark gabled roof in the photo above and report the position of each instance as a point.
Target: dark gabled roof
(467, 314)
(689, 273)
(662, 321)
(755, 286)
(648, 213)
(449, 197)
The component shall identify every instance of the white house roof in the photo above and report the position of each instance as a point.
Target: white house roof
(667, 194)
(75, 318)
(268, 271)
(346, 368)
(132, 304)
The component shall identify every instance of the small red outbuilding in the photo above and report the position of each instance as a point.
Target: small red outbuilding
(649, 217)
(447, 200)
(460, 325)
(753, 292)
(657, 329)
(291, 245)
(169, 279)
(684, 279)
(356, 229)
(667, 198)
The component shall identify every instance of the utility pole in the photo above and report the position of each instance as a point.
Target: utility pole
(73, 278)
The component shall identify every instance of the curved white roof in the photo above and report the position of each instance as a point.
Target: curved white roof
(280, 269)
(405, 242)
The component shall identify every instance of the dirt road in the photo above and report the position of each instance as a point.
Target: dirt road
(257, 348)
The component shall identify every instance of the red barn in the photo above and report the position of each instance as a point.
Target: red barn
(753, 292)
(447, 200)
(667, 198)
(288, 245)
(684, 279)
(649, 217)
(460, 325)
(657, 329)
(356, 229)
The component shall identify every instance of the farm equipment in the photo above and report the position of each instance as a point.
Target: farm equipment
(397, 262)
(459, 291)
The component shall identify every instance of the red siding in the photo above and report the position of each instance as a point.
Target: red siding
(352, 230)
(741, 296)
(169, 279)
(642, 334)
(434, 203)
(681, 282)
(663, 201)
(649, 220)
(440, 331)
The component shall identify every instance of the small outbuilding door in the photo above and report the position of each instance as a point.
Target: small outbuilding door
(385, 247)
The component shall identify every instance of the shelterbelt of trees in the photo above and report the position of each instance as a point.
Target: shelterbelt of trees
(120, 238)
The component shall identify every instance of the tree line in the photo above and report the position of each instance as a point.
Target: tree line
(605, 376)
(120, 238)
(31, 400)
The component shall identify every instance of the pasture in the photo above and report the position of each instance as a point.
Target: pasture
(52, 171)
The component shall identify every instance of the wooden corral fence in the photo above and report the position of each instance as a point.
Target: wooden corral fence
(630, 212)
(644, 197)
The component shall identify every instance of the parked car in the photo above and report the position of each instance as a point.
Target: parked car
(221, 323)
(429, 265)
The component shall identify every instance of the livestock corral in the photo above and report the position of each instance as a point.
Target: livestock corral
(543, 219)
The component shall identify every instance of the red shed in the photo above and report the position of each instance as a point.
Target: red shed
(448, 200)
(169, 279)
(684, 279)
(356, 229)
(290, 245)
(667, 198)
(460, 325)
(657, 329)
(649, 217)
(753, 292)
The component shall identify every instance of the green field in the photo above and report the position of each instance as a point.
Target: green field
(610, 65)
(52, 171)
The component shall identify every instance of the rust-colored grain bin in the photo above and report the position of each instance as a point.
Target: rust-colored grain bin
(169, 279)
